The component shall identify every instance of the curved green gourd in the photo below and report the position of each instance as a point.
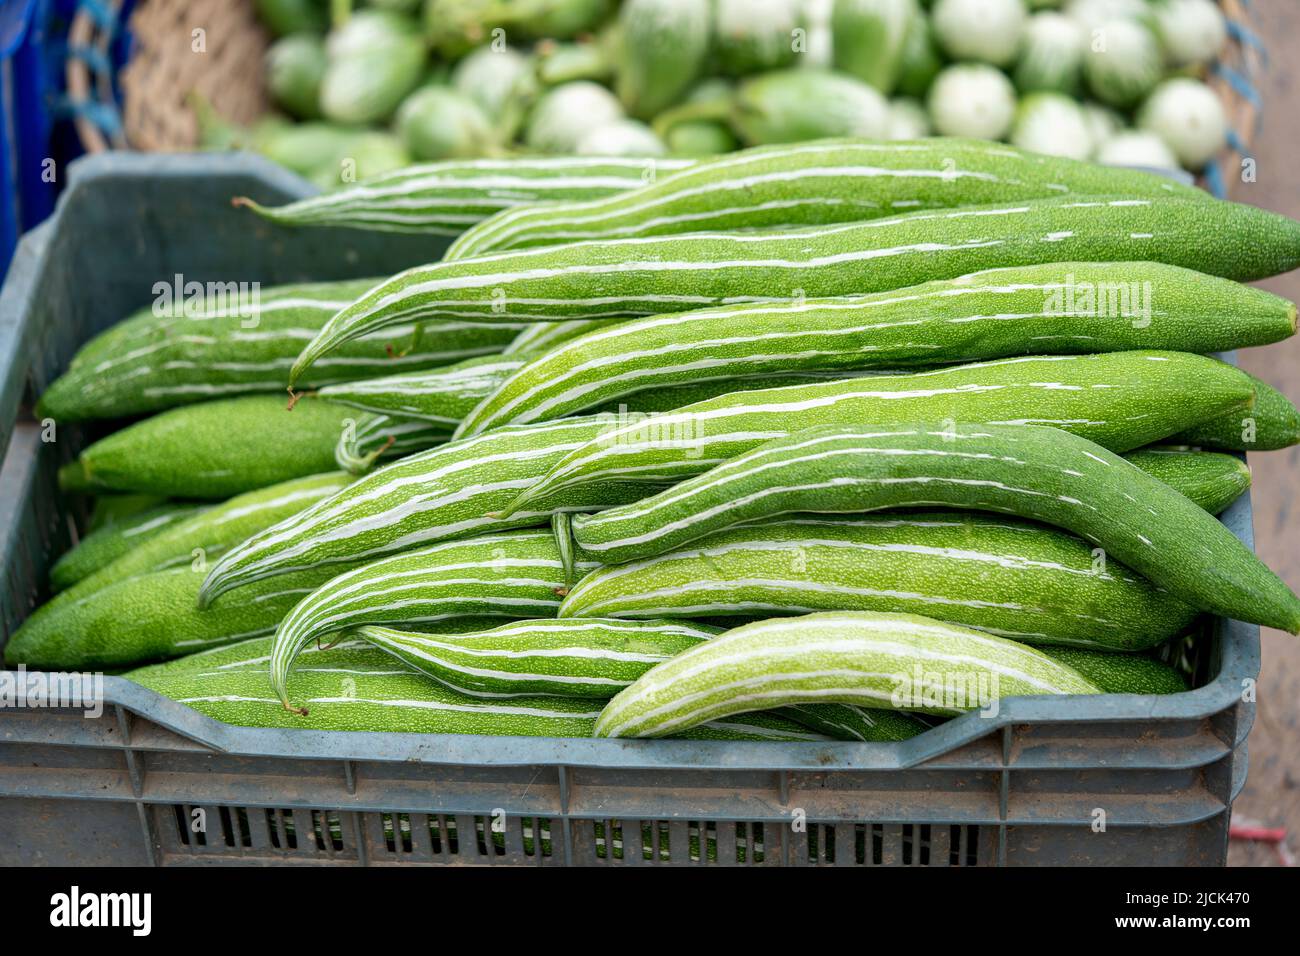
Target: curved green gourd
(1012, 578)
(221, 347)
(813, 183)
(1057, 308)
(1122, 400)
(446, 198)
(676, 273)
(218, 449)
(1044, 474)
(514, 574)
(890, 661)
(573, 658)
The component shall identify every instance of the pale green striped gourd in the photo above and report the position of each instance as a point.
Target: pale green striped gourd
(1055, 308)
(594, 659)
(443, 493)
(591, 658)
(445, 198)
(1122, 400)
(218, 348)
(813, 183)
(892, 661)
(676, 273)
(1012, 578)
(1044, 474)
(515, 574)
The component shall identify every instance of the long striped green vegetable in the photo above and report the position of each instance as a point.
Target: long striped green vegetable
(676, 273)
(1012, 578)
(1044, 474)
(446, 492)
(515, 574)
(894, 661)
(812, 183)
(1122, 400)
(1271, 424)
(594, 659)
(456, 490)
(374, 437)
(105, 545)
(1053, 308)
(445, 198)
(217, 449)
(222, 346)
(574, 658)
(443, 396)
(205, 536)
(352, 686)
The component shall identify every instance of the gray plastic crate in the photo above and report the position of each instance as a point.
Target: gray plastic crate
(151, 781)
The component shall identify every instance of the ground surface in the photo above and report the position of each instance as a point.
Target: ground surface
(1272, 794)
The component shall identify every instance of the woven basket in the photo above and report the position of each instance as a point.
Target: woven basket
(181, 47)
(164, 71)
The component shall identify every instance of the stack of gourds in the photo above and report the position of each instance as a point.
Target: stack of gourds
(801, 442)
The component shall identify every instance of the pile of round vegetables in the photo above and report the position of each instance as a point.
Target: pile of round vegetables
(398, 81)
(823, 440)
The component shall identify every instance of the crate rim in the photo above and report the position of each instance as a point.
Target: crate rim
(436, 749)
(1239, 642)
